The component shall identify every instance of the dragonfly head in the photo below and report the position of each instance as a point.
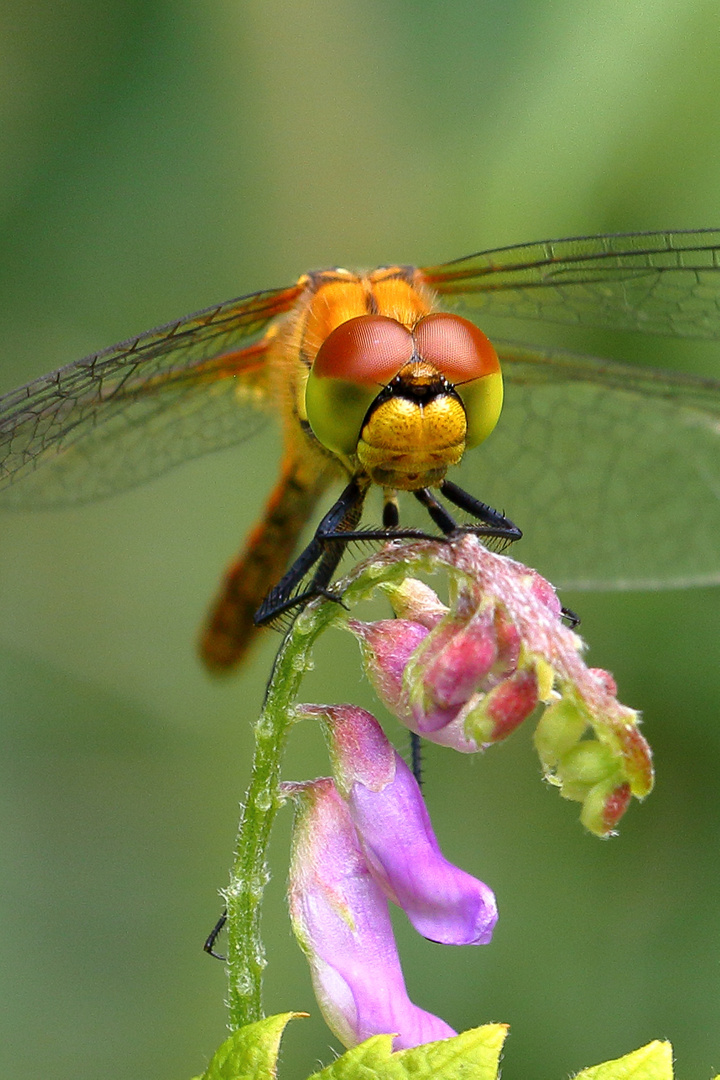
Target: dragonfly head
(404, 404)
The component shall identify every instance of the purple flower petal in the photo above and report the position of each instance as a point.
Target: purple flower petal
(341, 920)
(443, 902)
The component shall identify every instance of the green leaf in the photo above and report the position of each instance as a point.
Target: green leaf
(474, 1055)
(651, 1062)
(251, 1052)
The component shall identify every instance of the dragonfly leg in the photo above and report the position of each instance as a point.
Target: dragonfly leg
(229, 629)
(480, 510)
(495, 519)
(416, 761)
(326, 547)
(391, 511)
(337, 529)
(209, 944)
(444, 521)
(494, 524)
(571, 617)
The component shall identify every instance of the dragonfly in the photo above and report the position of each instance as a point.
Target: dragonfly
(385, 380)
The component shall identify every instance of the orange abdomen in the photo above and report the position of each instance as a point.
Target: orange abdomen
(229, 630)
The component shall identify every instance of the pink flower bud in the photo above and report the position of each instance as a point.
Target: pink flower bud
(604, 680)
(341, 921)
(504, 708)
(449, 668)
(386, 648)
(544, 592)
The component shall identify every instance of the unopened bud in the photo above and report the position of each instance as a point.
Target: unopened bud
(416, 601)
(603, 807)
(504, 708)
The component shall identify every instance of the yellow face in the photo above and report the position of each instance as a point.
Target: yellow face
(414, 429)
(404, 402)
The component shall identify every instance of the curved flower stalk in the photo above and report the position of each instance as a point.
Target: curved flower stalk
(467, 675)
(341, 920)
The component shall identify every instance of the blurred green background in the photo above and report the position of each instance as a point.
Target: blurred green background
(157, 157)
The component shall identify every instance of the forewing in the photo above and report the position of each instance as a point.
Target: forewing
(611, 471)
(657, 282)
(122, 416)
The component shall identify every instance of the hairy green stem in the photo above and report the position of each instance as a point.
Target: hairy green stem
(249, 875)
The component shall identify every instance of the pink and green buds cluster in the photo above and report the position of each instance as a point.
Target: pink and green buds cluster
(359, 841)
(602, 773)
(466, 676)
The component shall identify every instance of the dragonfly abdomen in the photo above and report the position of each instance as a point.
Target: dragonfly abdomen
(229, 629)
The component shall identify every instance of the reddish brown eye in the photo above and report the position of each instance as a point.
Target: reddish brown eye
(456, 347)
(369, 349)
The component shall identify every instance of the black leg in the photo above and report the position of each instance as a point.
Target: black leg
(338, 528)
(570, 617)
(214, 934)
(391, 514)
(444, 521)
(416, 756)
(479, 510)
(326, 547)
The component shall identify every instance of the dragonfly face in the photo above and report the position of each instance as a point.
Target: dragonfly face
(376, 384)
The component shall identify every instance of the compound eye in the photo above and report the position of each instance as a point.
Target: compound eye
(455, 347)
(355, 360)
(368, 350)
(466, 358)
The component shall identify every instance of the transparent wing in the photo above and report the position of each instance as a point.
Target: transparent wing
(115, 419)
(612, 471)
(657, 282)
